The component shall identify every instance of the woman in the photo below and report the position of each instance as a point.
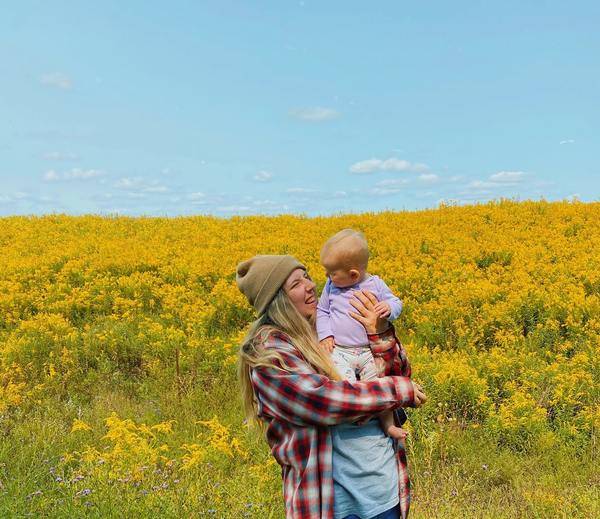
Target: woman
(290, 386)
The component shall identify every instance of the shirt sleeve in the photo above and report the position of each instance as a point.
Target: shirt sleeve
(385, 294)
(387, 347)
(300, 396)
(324, 328)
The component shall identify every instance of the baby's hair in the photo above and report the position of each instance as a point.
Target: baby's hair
(347, 248)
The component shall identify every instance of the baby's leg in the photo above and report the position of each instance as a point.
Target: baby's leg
(369, 371)
(387, 424)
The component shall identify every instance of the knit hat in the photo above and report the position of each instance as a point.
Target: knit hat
(260, 278)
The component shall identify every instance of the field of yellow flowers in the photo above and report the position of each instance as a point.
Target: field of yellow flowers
(118, 341)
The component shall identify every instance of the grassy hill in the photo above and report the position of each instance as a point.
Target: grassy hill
(118, 338)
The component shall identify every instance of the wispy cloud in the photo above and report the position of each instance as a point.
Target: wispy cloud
(384, 191)
(263, 176)
(59, 156)
(21, 202)
(567, 141)
(73, 174)
(389, 186)
(141, 185)
(56, 80)
(315, 114)
(393, 182)
(429, 178)
(299, 191)
(234, 209)
(19, 195)
(503, 182)
(391, 164)
(507, 177)
(196, 196)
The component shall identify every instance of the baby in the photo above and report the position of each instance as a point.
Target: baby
(345, 257)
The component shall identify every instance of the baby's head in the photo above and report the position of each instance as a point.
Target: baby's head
(345, 257)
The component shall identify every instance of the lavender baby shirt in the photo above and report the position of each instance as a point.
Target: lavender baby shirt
(333, 318)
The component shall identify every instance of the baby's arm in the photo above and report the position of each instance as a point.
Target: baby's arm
(389, 306)
(324, 330)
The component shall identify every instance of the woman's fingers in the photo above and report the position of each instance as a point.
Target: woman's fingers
(359, 306)
(420, 397)
(358, 317)
(371, 297)
(363, 298)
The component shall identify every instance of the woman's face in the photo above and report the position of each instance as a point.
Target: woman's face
(301, 291)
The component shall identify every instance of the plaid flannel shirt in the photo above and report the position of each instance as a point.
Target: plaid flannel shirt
(298, 405)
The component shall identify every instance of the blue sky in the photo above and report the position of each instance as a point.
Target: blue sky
(224, 108)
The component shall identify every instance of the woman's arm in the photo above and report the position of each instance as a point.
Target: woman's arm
(303, 397)
(382, 338)
(387, 347)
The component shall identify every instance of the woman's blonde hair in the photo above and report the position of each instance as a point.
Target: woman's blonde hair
(283, 317)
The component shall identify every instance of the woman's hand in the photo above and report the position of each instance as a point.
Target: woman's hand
(420, 397)
(365, 303)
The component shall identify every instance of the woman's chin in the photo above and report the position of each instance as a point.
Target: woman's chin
(310, 311)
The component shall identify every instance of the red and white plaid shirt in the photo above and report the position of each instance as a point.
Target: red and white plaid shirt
(298, 405)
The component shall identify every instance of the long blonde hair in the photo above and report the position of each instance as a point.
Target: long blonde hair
(283, 317)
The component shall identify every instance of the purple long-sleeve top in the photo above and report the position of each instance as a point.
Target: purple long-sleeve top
(333, 318)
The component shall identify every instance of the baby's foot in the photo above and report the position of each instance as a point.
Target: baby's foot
(396, 432)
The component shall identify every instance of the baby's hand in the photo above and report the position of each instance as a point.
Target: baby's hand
(327, 344)
(383, 309)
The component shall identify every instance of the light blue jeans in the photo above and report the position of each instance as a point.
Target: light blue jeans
(392, 513)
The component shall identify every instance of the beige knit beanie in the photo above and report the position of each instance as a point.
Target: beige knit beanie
(260, 277)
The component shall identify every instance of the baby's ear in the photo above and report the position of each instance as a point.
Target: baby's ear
(354, 274)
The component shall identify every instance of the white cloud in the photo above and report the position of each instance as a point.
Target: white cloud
(391, 182)
(419, 166)
(265, 203)
(51, 176)
(507, 177)
(73, 174)
(567, 141)
(57, 80)
(196, 196)
(317, 113)
(383, 191)
(340, 194)
(141, 185)
(495, 184)
(263, 176)
(156, 189)
(429, 178)
(299, 190)
(21, 202)
(234, 208)
(115, 210)
(126, 183)
(57, 155)
(391, 164)
(82, 174)
(389, 186)
(19, 195)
